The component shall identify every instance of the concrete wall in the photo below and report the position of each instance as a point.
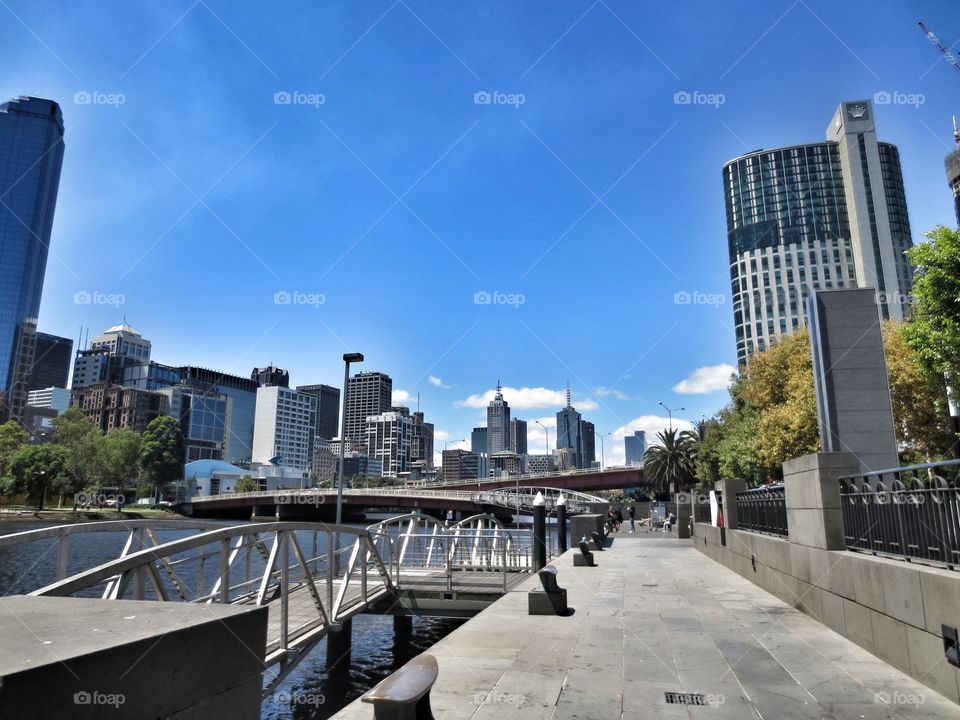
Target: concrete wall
(890, 607)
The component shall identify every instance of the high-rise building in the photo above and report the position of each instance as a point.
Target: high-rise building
(328, 409)
(634, 446)
(421, 442)
(811, 217)
(505, 463)
(952, 165)
(478, 440)
(518, 436)
(323, 468)
(56, 398)
(241, 409)
(388, 440)
(369, 393)
(115, 406)
(31, 156)
(108, 357)
(541, 463)
(283, 427)
(203, 420)
(459, 465)
(270, 376)
(588, 443)
(51, 362)
(569, 432)
(498, 423)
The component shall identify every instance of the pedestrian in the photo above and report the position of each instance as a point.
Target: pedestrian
(668, 523)
(618, 518)
(632, 513)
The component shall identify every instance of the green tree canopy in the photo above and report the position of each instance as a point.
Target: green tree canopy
(118, 457)
(12, 438)
(39, 471)
(672, 460)
(161, 455)
(77, 434)
(246, 484)
(934, 330)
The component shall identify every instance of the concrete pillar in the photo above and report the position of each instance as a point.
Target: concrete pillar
(812, 489)
(539, 533)
(339, 642)
(684, 509)
(729, 490)
(264, 510)
(402, 632)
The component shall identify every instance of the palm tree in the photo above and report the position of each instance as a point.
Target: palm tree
(671, 461)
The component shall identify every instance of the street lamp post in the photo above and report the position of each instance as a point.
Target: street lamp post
(546, 434)
(670, 412)
(347, 359)
(602, 436)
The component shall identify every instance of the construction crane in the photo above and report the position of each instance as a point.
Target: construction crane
(951, 58)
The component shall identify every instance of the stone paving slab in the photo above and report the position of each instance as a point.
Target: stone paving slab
(657, 616)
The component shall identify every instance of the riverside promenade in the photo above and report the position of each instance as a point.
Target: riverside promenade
(656, 617)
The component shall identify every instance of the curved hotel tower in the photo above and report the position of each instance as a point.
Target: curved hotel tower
(811, 217)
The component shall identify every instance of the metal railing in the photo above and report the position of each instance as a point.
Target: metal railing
(910, 512)
(762, 510)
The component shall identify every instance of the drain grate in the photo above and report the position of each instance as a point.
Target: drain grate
(686, 698)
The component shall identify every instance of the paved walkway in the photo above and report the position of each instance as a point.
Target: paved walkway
(656, 617)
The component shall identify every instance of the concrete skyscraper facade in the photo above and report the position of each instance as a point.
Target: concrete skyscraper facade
(370, 393)
(51, 362)
(634, 447)
(518, 436)
(478, 441)
(31, 156)
(328, 409)
(388, 440)
(498, 423)
(815, 216)
(283, 427)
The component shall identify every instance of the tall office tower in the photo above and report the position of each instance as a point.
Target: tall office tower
(51, 362)
(328, 409)
(518, 436)
(461, 465)
(203, 420)
(271, 376)
(31, 155)
(498, 423)
(634, 447)
(388, 440)
(421, 441)
(588, 442)
(115, 406)
(369, 393)
(952, 165)
(811, 217)
(478, 441)
(283, 427)
(570, 432)
(108, 357)
(241, 394)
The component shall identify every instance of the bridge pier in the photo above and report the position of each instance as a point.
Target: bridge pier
(402, 632)
(339, 642)
(265, 511)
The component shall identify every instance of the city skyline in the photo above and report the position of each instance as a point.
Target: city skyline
(539, 250)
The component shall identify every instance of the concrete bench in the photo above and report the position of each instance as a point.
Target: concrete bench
(405, 695)
(552, 599)
(585, 558)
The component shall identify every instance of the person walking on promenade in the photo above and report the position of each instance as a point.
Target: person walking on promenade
(632, 514)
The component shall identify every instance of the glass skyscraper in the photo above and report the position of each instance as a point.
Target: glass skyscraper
(31, 155)
(812, 217)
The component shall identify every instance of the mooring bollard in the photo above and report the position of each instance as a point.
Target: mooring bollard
(539, 531)
(551, 599)
(562, 524)
(597, 541)
(405, 695)
(585, 558)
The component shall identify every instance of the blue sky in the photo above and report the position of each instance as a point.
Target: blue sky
(433, 155)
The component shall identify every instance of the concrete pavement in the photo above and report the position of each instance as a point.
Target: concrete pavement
(659, 617)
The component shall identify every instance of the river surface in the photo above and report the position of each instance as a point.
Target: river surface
(310, 691)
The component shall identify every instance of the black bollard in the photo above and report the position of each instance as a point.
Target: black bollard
(562, 524)
(539, 533)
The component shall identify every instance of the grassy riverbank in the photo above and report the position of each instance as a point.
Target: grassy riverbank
(68, 515)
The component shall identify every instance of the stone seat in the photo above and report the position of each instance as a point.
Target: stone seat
(405, 695)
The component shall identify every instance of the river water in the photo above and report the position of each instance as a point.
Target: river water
(310, 691)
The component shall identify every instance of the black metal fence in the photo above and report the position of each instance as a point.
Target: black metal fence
(911, 512)
(762, 510)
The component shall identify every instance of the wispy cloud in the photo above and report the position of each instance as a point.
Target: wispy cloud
(400, 396)
(604, 391)
(527, 398)
(706, 380)
(437, 382)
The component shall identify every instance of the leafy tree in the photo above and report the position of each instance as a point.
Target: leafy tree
(12, 438)
(161, 455)
(246, 484)
(76, 433)
(671, 462)
(934, 332)
(118, 457)
(38, 471)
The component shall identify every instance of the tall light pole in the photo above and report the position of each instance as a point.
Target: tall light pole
(347, 359)
(602, 436)
(670, 412)
(545, 434)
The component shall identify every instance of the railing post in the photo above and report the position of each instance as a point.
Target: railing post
(562, 524)
(812, 493)
(284, 587)
(63, 556)
(364, 549)
(330, 572)
(224, 571)
(539, 532)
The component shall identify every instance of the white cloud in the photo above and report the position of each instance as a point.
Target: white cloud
(437, 382)
(604, 391)
(527, 398)
(400, 396)
(706, 380)
(614, 453)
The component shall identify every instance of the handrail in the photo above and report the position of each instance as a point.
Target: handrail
(55, 531)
